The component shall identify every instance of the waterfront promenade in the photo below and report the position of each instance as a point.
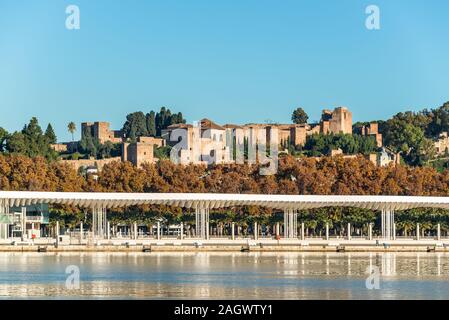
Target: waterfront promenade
(225, 245)
(287, 236)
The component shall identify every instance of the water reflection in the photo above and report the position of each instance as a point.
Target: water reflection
(225, 275)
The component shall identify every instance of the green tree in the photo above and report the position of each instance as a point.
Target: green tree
(71, 127)
(162, 152)
(151, 123)
(164, 118)
(322, 144)
(30, 142)
(88, 144)
(135, 125)
(402, 136)
(50, 134)
(299, 116)
(3, 137)
(439, 120)
(15, 143)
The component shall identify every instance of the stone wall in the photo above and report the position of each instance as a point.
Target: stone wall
(76, 164)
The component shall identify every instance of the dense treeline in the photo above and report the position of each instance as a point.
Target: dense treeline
(319, 144)
(412, 133)
(306, 176)
(31, 141)
(151, 124)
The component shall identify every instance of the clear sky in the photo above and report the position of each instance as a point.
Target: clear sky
(233, 61)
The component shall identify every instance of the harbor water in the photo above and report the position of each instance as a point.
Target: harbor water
(210, 275)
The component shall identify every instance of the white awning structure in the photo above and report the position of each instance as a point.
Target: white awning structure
(216, 200)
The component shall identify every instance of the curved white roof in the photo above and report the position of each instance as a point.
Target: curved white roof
(221, 200)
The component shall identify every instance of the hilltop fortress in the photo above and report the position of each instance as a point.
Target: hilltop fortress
(222, 137)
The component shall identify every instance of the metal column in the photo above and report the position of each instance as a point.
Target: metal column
(370, 231)
(256, 231)
(303, 235)
(99, 222)
(158, 231)
(438, 232)
(387, 224)
(23, 222)
(202, 222)
(349, 231)
(290, 223)
(181, 233)
(417, 231)
(5, 219)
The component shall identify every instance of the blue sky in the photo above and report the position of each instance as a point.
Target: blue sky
(234, 61)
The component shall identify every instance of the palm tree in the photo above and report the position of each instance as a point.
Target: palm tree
(72, 128)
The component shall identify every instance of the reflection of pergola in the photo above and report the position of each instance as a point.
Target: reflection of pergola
(203, 202)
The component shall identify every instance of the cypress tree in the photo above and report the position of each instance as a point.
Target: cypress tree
(50, 134)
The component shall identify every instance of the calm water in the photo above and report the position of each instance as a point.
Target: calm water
(225, 275)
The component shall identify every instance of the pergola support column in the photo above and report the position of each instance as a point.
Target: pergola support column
(370, 231)
(438, 232)
(57, 233)
(202, 222)
(290, 223)
(327, 231)
(99, 222)
(417, 231)
(303, 235)
(256, 231)
(23, 222)
(349, 231)
(5, 219)
(232, 231)
(387, 224)
(181, 234)
(394, 231)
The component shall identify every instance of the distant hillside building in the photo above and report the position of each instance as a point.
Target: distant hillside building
(159, 142)
(442, 144)
(337, 121)
(59, 147)
(139, 152)
(101, 131)
(372, 130)
(386, 156)
(210, 144)
(213, 143)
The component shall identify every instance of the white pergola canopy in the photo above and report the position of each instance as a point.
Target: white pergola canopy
(220, 200)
